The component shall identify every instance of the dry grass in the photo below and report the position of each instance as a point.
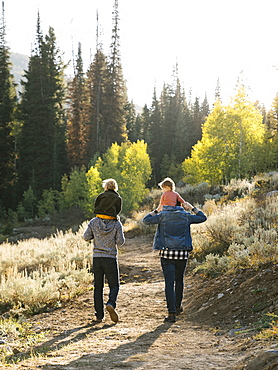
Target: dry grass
(36, 273)
(238, 235)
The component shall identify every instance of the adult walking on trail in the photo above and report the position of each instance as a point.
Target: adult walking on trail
(174, 242)
(107, 232)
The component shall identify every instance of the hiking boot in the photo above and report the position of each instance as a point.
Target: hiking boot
(179, 310)
(113, 313)
(96, 321)
(170, 318)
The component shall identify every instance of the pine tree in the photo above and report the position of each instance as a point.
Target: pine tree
(183, 141)
(76, 116)
(176, 130)
(197, 122)
(175, 127)
(115, 91)
(272, 122)
(272, 132)
(131, 122)
(7, 107)
(42, 146)
(155, 148)
(145, 125)
(217, 94)
(56, 69)
(97, 76)
(108, 109)
(204, 109)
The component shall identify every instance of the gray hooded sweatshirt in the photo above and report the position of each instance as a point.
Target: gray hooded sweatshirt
(107, 235)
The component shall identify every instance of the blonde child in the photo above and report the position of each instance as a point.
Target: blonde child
(108, 204)
(169, 197)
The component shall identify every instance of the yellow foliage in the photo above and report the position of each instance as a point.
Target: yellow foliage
(232, 141)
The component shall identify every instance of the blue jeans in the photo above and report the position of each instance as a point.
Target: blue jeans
(105, 267)
(173, 271)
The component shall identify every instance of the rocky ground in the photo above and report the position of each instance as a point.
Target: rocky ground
(215, 331)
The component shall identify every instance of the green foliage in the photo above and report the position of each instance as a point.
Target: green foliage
(18, 334)
(48, 205)
(20, 211)
(171, 168)
(94, 188)
(9, 220)
(136, 171)
(272, 132)
(175, 124)
(110, 95)
(111, 162)
(133, 123)
(7, 109)
(129, 164)
(232, 144)
(268, 326)
(75, 189)
(77, 116)
(42, 140)
(29, 203)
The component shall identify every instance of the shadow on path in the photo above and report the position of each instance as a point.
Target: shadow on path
(58, 342)
(116, 357)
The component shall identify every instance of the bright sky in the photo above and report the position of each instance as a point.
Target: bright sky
(209, 39)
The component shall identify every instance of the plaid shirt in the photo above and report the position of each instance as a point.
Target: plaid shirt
(174, 254)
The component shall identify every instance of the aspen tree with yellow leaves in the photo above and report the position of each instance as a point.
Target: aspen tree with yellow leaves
(231, 144)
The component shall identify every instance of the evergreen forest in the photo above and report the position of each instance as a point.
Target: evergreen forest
(60, 137)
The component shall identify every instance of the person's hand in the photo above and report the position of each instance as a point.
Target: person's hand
(187, 205)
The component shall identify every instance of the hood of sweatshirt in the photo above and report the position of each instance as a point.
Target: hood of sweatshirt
(105, 226)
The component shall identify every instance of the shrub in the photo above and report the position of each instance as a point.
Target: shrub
(239, 234)
(36, 273)
(134, 226)
(214, 265)
(194, 194)
(16, 334)
(74, 189)
(269, 331)
(274, 179)
(237, 189)
(219, 231)
(48, 205)
(29, 203)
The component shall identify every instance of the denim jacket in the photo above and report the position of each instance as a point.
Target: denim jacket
(173, 228)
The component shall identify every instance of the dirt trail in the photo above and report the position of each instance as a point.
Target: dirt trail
(141, 340)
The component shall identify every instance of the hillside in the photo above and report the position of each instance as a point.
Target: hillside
(215, 331)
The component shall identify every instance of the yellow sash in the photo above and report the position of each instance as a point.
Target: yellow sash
(107, 217)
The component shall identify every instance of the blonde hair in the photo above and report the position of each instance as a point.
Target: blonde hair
(167, 182)
(110, 184)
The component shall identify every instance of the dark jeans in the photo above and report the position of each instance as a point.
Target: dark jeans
(105, 267)
(173, 271)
